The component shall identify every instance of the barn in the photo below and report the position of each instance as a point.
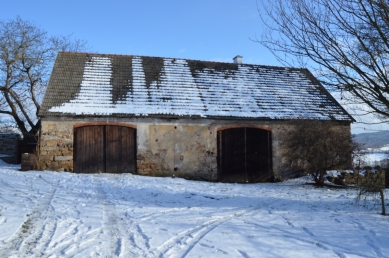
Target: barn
(159, 116)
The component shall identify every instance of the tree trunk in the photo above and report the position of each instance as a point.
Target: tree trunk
(382, 202)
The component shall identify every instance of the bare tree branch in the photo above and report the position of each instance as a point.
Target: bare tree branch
(345, 43)
(27, 55)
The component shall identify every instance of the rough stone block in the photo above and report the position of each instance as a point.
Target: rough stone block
(144, 172)
(48, 137)
(41, 165)
(46, 158)
(66, 152)
(54, 165)
(68, 166)
(48, 149)
(141, 166)
(50, 143)
(28, 162)
(63, 158)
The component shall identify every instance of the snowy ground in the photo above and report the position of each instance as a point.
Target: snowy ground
(49, 214)
(375, 155)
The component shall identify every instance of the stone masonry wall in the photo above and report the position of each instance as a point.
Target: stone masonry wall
(376, 178)
(9, 145)
(56, 146)
(183, 148)
(187, 151)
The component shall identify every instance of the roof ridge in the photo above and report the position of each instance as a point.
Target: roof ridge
(180, 58)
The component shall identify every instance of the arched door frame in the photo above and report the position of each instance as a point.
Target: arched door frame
(101, 147)
(244, 153)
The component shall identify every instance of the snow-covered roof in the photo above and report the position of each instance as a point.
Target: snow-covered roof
(83, 84)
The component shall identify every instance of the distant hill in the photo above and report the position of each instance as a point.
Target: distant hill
(373, 140)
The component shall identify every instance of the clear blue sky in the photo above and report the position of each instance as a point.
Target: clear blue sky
(214, 30)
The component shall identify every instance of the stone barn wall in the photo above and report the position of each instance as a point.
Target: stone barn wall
(56, 146)
(165, 147)
(9, 147)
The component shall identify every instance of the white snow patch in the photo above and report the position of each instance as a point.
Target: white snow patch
(50, 214)
(245, 92)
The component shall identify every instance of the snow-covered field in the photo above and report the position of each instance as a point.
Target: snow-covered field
(374, 157)
(49, 214)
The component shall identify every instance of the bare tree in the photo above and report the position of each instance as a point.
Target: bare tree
(317, 146)
(7, 126)
(346, 42)
(27, 54)
(374, 187)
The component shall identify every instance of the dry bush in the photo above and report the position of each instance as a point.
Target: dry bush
(317, 146)
(374, 187)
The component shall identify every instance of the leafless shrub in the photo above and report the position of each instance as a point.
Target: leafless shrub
(317, 146)
(374, 187)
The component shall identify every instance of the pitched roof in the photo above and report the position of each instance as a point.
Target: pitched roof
(127, 86)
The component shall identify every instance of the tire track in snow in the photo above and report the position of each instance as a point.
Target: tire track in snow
(181, 244)
(339, 251)
(45, 222)
(121, 234)
(127, 231)
(153, 215)
(37, 230)
(75, 243)
(368, 239)
(111, 231)
(185, 240)
(370, 243)
(77, 237)
(7, 187)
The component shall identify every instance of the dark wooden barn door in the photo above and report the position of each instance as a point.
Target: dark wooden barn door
(88, 145)
(232, 146)
(104, 149)
(120, 149)
(244, 155)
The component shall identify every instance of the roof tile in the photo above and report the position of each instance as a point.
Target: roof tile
(127, 86)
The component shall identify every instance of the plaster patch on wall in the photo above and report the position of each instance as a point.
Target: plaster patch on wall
(185, 151)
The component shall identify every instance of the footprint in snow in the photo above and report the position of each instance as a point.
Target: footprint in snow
(207, 246)
(359, 225)
(370, 243)
(368, 239)
(318, 244)
(244, 254)
(288, 222)
(307, 231)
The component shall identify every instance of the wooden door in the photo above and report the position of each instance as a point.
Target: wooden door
(258, 155)
(120, 149)
(88, 149)
(233, 151)
(244, 155)
(104, 149)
